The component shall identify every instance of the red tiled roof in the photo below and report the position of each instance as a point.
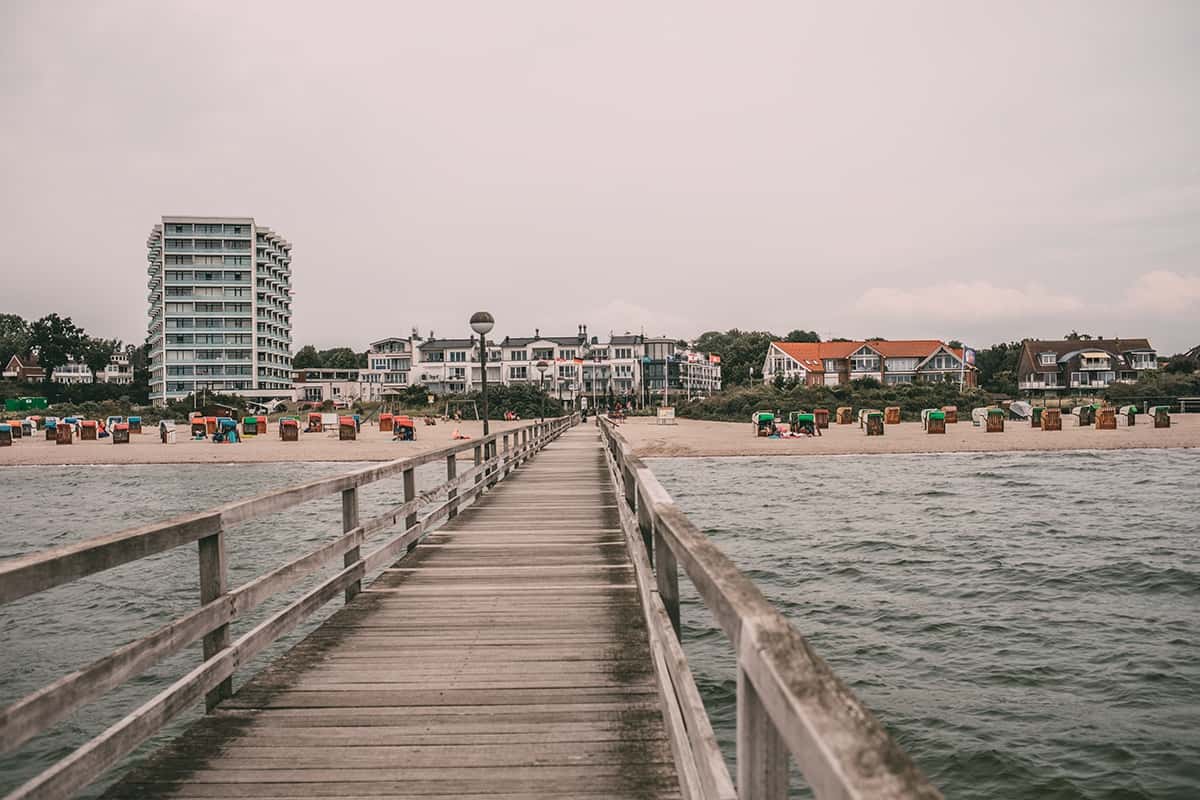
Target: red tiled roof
(812, 354)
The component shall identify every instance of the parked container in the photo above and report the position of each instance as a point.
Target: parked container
(1162, 416)
(951, 413)
(51, 429)
(845, 415)
(1127, 415)
(347, 429)
(1035, 416)
(1085, 414)
(936, 423)
(64, 434)
(120, 433)
(135, 425)
(87, 430)
(891, 415)
(1106, 419)
(822, 416)
(250, 426)
(874, 423)
(385, 423)
(6, 437)
(1052, 419)
(995, 420)
(289, 429)
(27, 428)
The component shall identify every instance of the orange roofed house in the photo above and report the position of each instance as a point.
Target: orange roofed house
(890, 363)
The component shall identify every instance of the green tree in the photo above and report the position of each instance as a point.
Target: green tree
(306, 358)
(339, 358)
(56, 339)
(1180, 365)
(97, 352)
(997, 367)
(955, 344)
(14, 337)
(802, 336)
(740, 352)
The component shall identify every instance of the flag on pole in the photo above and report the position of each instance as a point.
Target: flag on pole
(714, 359)
(968, 355)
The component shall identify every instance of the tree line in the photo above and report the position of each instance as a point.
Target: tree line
(56, 341)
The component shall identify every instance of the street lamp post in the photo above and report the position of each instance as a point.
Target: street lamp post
(585, 351)
(542, 366)
(482, 323)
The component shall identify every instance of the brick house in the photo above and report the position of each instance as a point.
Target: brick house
(1085, 364)
(24, 368)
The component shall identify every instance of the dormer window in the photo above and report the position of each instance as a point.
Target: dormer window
(1047, 359)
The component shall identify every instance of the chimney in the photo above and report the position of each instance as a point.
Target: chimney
(537, 333)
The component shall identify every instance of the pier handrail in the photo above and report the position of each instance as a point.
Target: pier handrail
(220, 605)
(789, 701)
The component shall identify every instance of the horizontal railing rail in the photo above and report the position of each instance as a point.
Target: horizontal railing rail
(789, 701)
(495, 456)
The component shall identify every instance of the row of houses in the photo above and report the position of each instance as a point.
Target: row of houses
(26, 368)
(889, 362)
(631, 368)
(1044, 367)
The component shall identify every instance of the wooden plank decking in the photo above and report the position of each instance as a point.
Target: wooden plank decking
(507, 657)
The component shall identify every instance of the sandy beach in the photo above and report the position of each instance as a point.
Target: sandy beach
(697, 438)
(371, 445)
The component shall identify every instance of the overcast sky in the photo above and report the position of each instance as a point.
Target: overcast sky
(969, 170)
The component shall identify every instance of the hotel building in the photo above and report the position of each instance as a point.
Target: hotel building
(220, 309)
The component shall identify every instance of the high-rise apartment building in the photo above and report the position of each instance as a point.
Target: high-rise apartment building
(220, 309)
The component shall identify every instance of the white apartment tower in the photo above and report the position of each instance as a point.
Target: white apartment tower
(220, 309)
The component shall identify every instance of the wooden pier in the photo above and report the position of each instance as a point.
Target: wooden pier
(521, 646)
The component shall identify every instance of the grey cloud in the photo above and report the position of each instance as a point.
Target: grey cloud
(691, 165)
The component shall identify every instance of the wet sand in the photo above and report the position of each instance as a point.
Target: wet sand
(697, 438)
(371, 445)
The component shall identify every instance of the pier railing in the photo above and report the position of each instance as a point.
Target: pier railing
(789, 701)
(494, 458)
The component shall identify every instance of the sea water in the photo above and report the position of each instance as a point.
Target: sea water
(1025, 625)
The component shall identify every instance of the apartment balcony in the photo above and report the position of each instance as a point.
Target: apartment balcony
(1037, 386)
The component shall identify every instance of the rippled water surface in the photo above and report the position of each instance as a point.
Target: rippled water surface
(1026, 625)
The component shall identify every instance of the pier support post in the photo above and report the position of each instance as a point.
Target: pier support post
(762, 756)
(410, 494)
(451, 474)
(214, 576)
(666, 573)
(349, 523)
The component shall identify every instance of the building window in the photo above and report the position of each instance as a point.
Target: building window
(1047, 359)
(864, 363)
(518, 373)
(458, 356)
(566, 355)
(518, 355)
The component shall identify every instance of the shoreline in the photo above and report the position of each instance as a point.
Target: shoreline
(686, 439)
(371, 445)
(704, 439)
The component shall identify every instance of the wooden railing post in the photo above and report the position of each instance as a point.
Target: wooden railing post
(478, 463)
(762, 756)
(214, 575)
(410, 494)
(645, 521)
(451, 474)
(507, 456)
(666, 573)
(349, 523)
